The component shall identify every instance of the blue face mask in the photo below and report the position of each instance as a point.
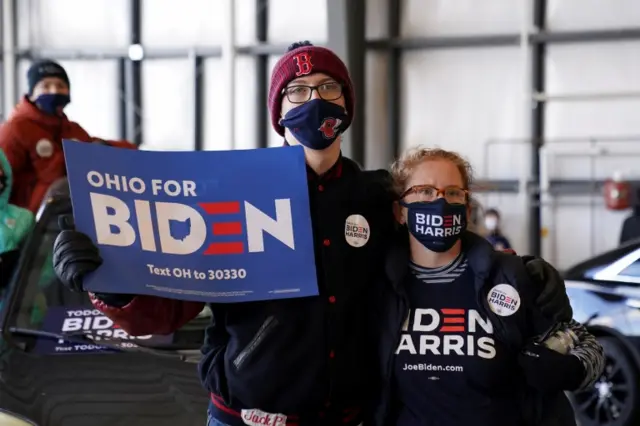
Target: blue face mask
(52, 103)
(316, 124)
(437, 224)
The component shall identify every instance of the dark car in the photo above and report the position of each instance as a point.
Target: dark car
(605, 295)
(62, 363)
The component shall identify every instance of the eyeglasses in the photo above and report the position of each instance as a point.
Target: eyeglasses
(427, 193)
(299, 94)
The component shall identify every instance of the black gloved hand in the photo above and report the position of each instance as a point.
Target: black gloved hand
(549, 371)
(74, 256)
(8, 262)
(552, 301)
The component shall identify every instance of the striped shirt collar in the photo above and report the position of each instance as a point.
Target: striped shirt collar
(439, 271)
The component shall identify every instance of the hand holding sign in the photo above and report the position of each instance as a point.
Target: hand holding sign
(230, 226)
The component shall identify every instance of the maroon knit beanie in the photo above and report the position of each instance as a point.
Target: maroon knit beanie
(304, 59)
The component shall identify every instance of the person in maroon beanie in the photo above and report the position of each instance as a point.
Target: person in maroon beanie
(299, 361)
(305, 361)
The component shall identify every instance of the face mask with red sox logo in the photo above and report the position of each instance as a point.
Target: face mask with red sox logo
(316, 124)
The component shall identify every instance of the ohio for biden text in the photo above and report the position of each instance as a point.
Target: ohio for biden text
(210, 226)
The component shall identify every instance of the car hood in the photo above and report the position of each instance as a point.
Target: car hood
(105, 388)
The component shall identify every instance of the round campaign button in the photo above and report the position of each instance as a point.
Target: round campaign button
(356, 230)
(504, 300)
(44, 148)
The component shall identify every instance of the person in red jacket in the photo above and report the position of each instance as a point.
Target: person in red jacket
(32, 136)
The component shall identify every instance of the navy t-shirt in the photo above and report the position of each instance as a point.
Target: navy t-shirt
(449, 368)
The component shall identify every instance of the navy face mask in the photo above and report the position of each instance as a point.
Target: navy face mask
(316, 124)
(436, 224)
(50, 103)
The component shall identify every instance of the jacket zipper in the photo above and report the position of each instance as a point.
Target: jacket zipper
(265, 329)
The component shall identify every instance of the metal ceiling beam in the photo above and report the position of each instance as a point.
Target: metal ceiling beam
(394, 108)
(262, 74)
(198, 102)
(60, 54)
(538, 70)
(590, 36)
(346, 37)
(122, 98)
(504, 40)
(557, 187)
(428, 43)
(395, 42)
(8, 41)
(134, 78)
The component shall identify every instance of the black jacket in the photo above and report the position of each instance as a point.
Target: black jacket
(309, 355)
(490, 268)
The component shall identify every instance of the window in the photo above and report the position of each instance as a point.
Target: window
(44, 304)
(621, 265)
(632, 270)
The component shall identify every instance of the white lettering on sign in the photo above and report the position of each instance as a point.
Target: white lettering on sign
(97, 326)
(117, 225)
(448, 332)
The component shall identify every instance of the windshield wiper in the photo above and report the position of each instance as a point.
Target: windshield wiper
(121, 345)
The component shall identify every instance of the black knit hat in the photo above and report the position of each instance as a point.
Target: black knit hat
(42, 69)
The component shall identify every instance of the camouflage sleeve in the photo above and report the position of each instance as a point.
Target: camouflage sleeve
(589, 352)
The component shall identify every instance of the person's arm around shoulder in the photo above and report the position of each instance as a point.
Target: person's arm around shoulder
(589, 352)
(75, 255)
(548, 370)
(550, 291)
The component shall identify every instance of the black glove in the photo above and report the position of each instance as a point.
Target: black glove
(74, 256)
(8, 262)
(552, 300)
(549, 371)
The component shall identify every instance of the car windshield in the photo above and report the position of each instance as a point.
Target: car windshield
(44, 304)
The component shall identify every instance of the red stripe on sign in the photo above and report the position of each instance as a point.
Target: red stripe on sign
(453, 320)
(452, 328)
(227, 228)
(229, 207)
(225, 248)
(452, 311)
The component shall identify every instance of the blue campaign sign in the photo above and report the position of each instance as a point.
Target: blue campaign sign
(88, 320)
(212, 226)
